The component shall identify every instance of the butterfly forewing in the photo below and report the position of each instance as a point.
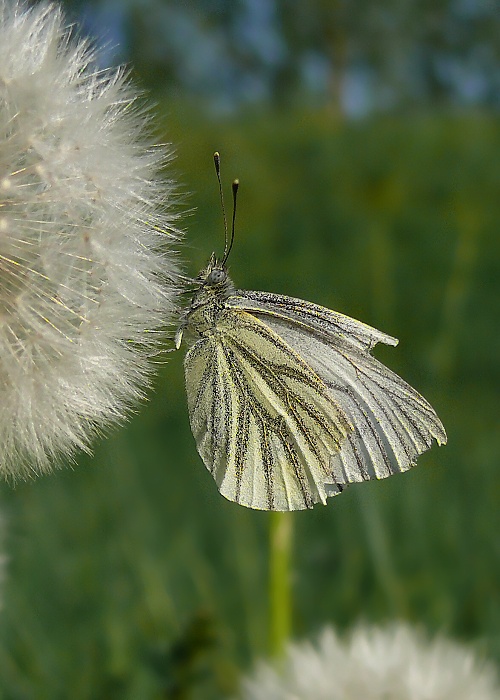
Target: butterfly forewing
(312, 318)
(392, 422)
(265, 423)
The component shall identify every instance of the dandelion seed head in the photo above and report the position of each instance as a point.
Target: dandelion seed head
(87, 272)
(395, 662)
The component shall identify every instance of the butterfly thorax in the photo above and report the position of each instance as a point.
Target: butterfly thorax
(207, 302)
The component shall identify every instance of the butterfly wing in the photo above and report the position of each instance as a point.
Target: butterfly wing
(265, 424)
(312, 318)
(392, 422)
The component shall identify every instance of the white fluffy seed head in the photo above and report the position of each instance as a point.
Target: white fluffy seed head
(87, 272)
(390, 663)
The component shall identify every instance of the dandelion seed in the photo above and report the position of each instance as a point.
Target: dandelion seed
(87, 272)
(392, 663)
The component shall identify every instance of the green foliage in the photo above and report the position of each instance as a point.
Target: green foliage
(130, 577)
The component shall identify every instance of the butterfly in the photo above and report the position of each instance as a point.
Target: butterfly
(286, 402)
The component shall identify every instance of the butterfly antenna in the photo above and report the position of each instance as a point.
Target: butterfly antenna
(217, 170)
(236, 184)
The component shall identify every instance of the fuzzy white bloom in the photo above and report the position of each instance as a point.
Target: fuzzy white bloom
(87, 274)
(391, 663)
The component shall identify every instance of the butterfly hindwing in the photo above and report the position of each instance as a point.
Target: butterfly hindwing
(266, 425)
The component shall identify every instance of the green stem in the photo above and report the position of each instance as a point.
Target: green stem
(280, 552)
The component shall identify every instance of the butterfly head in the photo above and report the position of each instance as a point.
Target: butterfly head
(213, 281)
(214, 274)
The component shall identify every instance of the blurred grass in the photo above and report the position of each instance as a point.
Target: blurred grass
(130, 577)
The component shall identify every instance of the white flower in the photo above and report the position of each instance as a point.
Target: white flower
(87, 275)
(392, 663)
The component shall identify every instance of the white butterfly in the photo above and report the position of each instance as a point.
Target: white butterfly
(286, 403)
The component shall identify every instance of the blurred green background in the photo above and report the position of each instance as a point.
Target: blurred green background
(366, 144)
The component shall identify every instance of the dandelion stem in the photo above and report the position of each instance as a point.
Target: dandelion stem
(280, 551)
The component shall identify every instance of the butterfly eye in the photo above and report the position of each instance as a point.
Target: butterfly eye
(216, 276)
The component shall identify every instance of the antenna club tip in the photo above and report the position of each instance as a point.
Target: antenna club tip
(217, 162)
